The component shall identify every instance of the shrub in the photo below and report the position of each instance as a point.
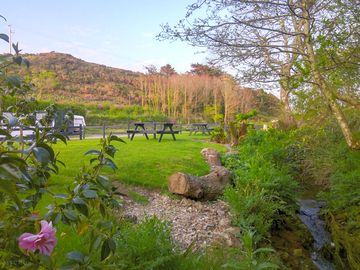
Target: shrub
(145, 246)
(264, 187)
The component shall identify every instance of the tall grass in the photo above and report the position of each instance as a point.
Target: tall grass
(264, 187)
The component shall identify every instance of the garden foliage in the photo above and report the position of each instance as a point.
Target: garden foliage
(264, 187)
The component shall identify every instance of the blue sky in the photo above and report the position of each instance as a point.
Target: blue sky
(115, 33)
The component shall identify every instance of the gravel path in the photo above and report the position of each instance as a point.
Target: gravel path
(200, 223)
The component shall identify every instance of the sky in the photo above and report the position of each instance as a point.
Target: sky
(116, 33)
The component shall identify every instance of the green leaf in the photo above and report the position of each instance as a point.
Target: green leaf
(78, 200)
(96, 243)
(16, 47)
(26, 62)
(57, 218)
(17, 60)
(62, 163)
(107, 225)
(109, 163)
(48, 148)
(76, 256)
(92, 152)
(60, 137)
(116, 138)
(11, 120)
(104, 182)
(112, 245)
(4, 36)
(83, 209)
(61, 196)
(105, 249)
(71, 214)
(110, 150)
(90, 194)
(41, 154)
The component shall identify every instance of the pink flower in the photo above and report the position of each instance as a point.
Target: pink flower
(44, 241)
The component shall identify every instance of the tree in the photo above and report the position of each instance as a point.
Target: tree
(151, 69)
(200, 70)
(278, 41)
(167, 70)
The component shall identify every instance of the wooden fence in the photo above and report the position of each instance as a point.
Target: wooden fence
(99, 131)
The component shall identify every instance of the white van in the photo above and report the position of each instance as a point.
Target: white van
(79, 120)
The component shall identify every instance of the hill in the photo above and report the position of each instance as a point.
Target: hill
(65, 79)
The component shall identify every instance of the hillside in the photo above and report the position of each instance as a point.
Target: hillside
(65, 79)
(78, 80)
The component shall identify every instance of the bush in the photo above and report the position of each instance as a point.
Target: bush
(264, 187)
(145, 246)
(218, 135)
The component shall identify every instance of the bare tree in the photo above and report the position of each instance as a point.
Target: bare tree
(276, 41)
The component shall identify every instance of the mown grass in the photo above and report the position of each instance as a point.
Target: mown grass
(142, 162)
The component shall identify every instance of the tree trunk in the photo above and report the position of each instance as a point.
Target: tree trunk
(289, 119)
(207, 187)
(327, 93)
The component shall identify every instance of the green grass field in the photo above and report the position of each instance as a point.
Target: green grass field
(141, 162)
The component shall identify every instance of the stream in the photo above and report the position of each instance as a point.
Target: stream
(309, 214)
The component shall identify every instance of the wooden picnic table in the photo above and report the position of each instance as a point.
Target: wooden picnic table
(167, 129)
(200, 127)
(140, 129)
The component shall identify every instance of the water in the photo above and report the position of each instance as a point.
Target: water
(309, 215)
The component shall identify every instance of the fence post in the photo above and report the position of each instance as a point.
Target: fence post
(104, 132)
(154, 129)
(128, 128)
(81, 132)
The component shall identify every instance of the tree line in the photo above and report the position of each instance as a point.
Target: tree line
(197, 95)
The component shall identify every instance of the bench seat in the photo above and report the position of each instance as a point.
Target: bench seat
(168, 132)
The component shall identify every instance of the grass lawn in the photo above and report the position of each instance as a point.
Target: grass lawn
(141, 162)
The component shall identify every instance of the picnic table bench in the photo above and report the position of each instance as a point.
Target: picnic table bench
(200, 127)
(140, 129)
(168, 129)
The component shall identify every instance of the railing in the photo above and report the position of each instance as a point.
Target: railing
(28, 132)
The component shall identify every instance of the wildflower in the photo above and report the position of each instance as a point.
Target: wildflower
(44, 241)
